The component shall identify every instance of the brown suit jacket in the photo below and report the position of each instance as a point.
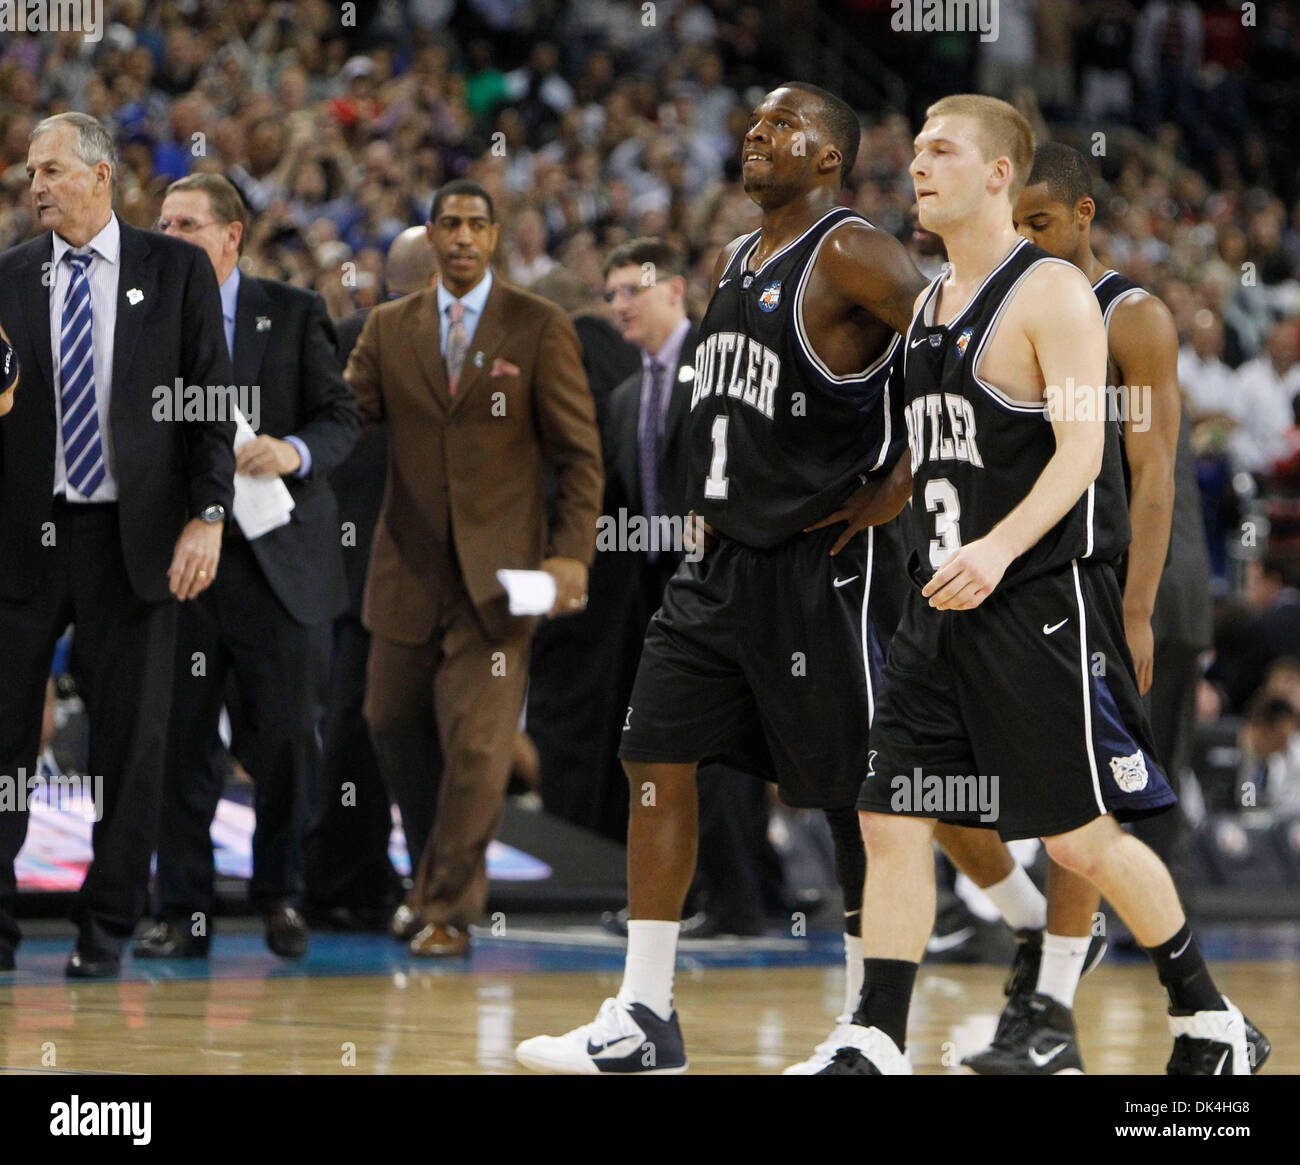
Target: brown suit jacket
(465, 482)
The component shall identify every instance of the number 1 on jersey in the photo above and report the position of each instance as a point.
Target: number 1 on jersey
(941, 500)
(715, 485)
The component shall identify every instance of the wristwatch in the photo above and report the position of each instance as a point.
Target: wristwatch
(8, 366)
(213, 514)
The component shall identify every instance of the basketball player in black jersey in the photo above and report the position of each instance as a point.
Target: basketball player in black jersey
(1055, 211)
(992, 680)
(763, 649)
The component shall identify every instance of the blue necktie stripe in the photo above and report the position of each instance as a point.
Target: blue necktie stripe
(83, 451)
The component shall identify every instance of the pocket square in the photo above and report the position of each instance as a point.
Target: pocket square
(503, 368)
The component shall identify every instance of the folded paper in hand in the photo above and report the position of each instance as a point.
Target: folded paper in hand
(531, 592)
(262, 504)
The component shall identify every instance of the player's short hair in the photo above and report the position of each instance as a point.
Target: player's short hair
(1003, 130)
(1064, 171)
(666, 258)
(226, 202)
(461, 186)
(843, 129)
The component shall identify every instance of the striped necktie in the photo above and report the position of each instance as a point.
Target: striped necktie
(457, 343)
(83, 450)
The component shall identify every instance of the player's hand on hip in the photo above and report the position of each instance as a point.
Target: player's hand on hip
(194, 561)
(265, 455)
(1142, 647)
(868, 505)
(570, 585)
(698, 535)
(968, 577)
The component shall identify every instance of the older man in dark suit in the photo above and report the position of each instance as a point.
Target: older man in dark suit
(275, 589)
(111, 505)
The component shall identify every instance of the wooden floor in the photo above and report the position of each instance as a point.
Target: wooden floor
(746, 1020)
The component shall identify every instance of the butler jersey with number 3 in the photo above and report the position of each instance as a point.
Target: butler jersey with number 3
(776, 440)
(976, 452)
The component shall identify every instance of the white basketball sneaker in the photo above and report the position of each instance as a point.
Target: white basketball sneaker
(864, 1051)
(623, 1040)
(823, 1053)
(1215, 1043)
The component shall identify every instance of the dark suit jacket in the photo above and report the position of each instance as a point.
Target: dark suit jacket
(359, 482)
(622, 446)
(465, 491)
(295, 362)
(167, 470)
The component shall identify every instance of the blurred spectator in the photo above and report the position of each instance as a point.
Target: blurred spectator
(1265, 390)
(1208, 384)
(1269, 631)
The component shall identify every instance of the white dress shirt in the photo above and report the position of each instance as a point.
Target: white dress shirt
(103, 273)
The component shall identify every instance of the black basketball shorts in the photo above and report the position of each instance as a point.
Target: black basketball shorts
(1021, 715)
(769, 660)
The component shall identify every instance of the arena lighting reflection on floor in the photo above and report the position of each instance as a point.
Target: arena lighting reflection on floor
(57, 850)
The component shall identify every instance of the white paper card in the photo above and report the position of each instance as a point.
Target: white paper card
(531, 592)
(262, 504)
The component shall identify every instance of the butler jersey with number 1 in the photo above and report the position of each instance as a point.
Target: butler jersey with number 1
(776, 440)
(976, 452)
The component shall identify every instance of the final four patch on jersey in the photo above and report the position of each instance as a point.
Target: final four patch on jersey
(963, 340)
(770, 296)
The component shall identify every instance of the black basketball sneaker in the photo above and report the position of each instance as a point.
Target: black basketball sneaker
(1010, 1052)
(1216, 1043)
(1035, 1037)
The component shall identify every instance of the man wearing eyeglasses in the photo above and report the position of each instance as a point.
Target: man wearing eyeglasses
(108, 511)
(276, 592)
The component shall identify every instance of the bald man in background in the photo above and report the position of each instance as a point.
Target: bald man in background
(351, 884)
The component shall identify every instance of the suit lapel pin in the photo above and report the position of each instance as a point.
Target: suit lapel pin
(134, 296)
(478, 359)
(263, 323)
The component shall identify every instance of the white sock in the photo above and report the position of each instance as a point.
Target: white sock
(1019, 901)
(651, 961)
(1058, 973)
(852, 973)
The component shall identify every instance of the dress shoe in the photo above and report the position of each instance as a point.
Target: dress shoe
(286, 933)
(165, 940)
(406, 924)
(440, 941)
(93, 965)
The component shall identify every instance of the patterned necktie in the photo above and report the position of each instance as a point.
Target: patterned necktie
(457, 343)
(83, 450)
(650, 435)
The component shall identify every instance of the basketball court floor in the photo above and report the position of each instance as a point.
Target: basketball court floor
(360, 1004)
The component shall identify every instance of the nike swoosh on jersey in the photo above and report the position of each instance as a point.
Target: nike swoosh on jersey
(843, 582)
(922, 340)
(1041, 1058)
(1055, 627)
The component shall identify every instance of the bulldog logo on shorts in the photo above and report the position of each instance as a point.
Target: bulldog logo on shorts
(1130, 772)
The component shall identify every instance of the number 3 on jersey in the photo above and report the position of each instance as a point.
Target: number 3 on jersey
(942, 501)
(715, 485)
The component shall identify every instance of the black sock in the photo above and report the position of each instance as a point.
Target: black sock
(853, 923)
(1184, 975)
(886, 996)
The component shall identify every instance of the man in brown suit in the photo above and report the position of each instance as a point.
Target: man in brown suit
(482, 385)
